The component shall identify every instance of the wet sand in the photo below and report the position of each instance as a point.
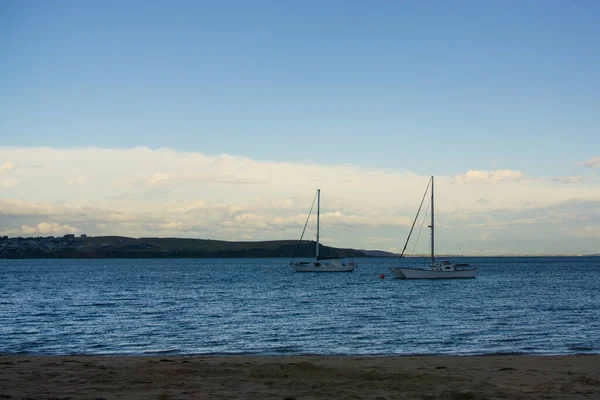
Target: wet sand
(224, 377)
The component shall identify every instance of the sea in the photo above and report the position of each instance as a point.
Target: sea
(516, 305)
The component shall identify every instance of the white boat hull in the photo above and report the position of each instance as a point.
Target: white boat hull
(397, 272)
(322, 268)
(424, 273)
(317, 265)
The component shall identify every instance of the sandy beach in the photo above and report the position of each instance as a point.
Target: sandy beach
(299, 377)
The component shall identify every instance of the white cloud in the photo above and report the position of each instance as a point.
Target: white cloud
(593, 162)
(8, 166)
(42, 229)
(9, 182)
(47, 228)
(568, 179)
(159, 178)
(5, 168)
(144, 192)
(592, 231)
(78, 180)
(489, 176)
(19, 207)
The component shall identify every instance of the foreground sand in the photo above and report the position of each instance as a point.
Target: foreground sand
(489, 377)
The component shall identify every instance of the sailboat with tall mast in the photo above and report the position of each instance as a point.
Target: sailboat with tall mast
(320, 264)
(440, 270)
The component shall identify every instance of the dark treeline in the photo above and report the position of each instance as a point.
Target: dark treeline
(70, 246)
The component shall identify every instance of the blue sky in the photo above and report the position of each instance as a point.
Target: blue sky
(438, 88)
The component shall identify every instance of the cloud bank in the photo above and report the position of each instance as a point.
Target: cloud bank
(160, 192)
(489, 176)
(593, 162)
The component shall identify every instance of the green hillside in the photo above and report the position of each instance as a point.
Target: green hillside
(69, 246)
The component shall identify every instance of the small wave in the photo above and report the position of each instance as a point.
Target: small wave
(286, 350)
(509, 340)
(581, 348)
(162, 352)
(502, 353)
(25, 333)
(367, 298)
(43, 314)
(559, 308)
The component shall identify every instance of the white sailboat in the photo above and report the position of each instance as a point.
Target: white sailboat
(440, 270)
(321, 264)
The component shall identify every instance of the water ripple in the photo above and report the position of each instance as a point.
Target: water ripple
(515, 306)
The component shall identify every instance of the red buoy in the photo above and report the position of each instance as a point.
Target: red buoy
(381, 276)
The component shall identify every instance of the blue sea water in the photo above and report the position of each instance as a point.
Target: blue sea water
(546, 305)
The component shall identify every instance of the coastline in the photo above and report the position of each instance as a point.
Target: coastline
(120, 247)
(300, 377)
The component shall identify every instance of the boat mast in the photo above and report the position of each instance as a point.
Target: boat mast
(415, 220)
(318, 216)
(431, 226)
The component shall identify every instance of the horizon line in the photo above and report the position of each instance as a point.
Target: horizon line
(391, 254)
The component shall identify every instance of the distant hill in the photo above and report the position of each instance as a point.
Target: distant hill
(379, 253)
(70, 246)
